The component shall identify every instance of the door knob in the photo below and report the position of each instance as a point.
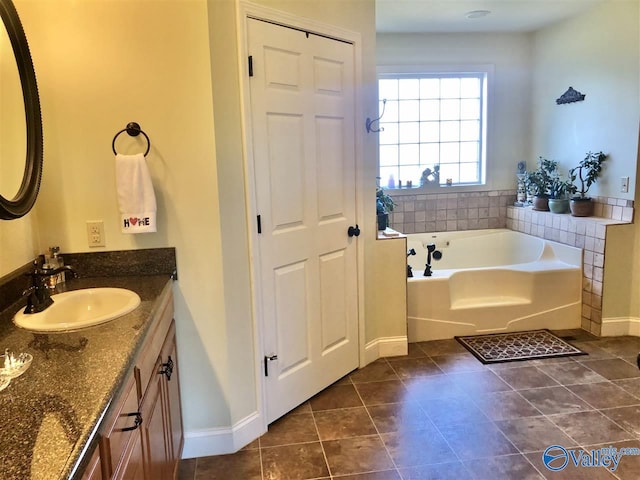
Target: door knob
(354, 231)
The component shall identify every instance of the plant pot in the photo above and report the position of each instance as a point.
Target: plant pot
(383, 221)
(559, 205)
(581, 207)
(541, 203)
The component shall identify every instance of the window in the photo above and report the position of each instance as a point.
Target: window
(434, 121)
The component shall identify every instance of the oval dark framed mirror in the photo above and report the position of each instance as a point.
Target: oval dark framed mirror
(22, 202)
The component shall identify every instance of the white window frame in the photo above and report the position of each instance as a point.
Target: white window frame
(415, 71)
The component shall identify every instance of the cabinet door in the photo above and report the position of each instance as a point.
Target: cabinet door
(93, 470)
(156, 445)
(123, 424)
(132, 467)
(173, 411)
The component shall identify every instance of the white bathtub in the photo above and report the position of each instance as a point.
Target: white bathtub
(491, 281)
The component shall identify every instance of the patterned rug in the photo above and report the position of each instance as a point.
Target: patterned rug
(511, 347)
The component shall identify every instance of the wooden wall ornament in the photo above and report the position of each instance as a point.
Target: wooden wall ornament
(570, 96)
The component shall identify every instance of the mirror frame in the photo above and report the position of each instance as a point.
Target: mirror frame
(25, 198)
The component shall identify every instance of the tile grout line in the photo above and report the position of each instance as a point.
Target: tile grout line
(379, 435)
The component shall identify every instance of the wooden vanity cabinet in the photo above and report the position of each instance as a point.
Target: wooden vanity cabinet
(142, 438)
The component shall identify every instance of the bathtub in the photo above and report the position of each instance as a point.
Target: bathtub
(491, 281)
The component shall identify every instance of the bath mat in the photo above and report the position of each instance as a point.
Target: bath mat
(517, 346)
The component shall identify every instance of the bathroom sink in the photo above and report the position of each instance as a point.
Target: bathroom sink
(80, 309)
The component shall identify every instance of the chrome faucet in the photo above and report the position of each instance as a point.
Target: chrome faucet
(39, 292)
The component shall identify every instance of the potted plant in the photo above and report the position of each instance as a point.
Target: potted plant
(587, 172)
(558, 194)
(539, 183)
(384, 206)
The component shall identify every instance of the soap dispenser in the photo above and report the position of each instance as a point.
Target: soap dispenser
(56, 261)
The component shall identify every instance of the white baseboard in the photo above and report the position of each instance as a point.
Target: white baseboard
(385, 347)
(616, 326)
(222, 440)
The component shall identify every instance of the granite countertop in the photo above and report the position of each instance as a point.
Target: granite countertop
(50, 415)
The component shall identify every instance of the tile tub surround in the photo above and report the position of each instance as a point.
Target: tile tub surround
(420, 212)
(49, 414)
(588, 233)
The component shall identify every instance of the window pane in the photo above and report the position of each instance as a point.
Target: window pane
(433, 120)
(470, 130)
(409, 132)
(409, 154)
(430, 110)
(470, 109)
(469, 152)
(470, 87)
(388, 155)
(449, 152)
(450, 88)
(449, 131)
(430, 88)
(450, 109)
(389, 133)
(409, 88)
(387, 176)
(412, 173)
(409, 110)
(449, 171)
(429, 131)
(429, 154)
(390, 111)
(388, 88)
(469, 172)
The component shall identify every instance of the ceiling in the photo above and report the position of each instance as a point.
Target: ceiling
(409, 16)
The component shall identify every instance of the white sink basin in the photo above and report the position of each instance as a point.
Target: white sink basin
(80, 309)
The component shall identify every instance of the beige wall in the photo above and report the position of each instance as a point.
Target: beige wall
(598, 54)
(99, 66)
(18, 243)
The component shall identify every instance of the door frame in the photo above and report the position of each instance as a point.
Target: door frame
(244, 11)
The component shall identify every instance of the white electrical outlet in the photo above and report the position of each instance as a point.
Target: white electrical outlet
(95, 233)
(624, 184)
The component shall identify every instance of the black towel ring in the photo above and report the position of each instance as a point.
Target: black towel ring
(133, 129)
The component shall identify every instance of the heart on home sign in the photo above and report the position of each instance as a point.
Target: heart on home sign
(133, 220)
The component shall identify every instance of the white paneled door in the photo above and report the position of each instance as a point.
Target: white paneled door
(302, 108)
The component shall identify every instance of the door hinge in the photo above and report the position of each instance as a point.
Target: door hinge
(259, 220)
(251, 65)
(267, 359)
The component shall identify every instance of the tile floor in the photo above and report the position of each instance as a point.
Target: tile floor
(438, 413)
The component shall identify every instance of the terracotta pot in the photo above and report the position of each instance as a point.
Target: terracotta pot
(541, 204)
(582, 207)
(559, 205)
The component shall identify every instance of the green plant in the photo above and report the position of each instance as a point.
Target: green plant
(539, 181)
(384, 202)
(560, 188)
(587, 172)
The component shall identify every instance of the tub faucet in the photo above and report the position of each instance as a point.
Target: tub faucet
(39, 293)
(437, 255)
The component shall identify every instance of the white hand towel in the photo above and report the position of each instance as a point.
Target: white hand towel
(136, 198)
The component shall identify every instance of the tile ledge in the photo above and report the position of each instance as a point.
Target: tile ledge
(389, 233)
